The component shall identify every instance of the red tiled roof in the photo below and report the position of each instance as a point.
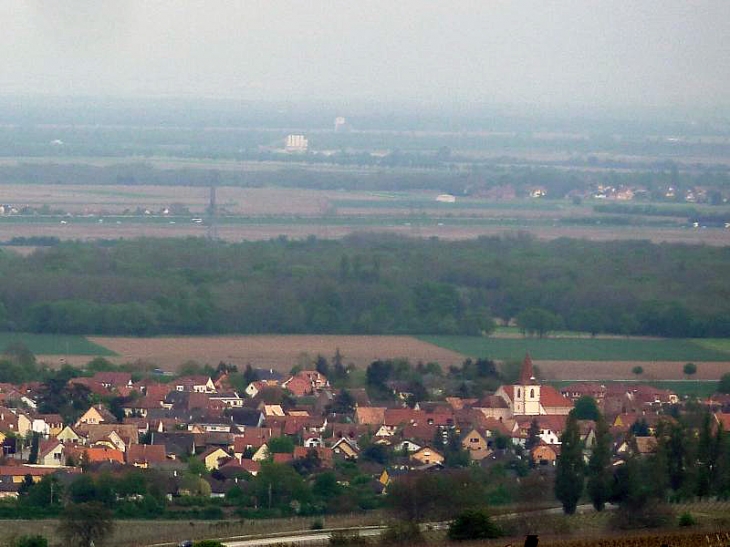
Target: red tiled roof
(146, 453)
(370, 415)
(549, 397)
(254, 437)
(22, 470)
(283, 458)
(402, 416)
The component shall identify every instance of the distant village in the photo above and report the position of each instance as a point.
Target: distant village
(279, 418)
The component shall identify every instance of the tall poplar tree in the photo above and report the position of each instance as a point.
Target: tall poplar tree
(599, 473)
(569, 477)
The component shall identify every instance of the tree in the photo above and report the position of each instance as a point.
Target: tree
(280, 445)
(706, 458)
(569, 472)
(600, 478)
(689, 369)
(249, 375)
(533, 439)
(34, 444)
(321, 365)
(586, 408)
(473, 524)
(724, 385)
(342, 403)
(85, 524)
(638, 370)
(538, 321)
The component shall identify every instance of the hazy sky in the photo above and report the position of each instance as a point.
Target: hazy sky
(606, 52)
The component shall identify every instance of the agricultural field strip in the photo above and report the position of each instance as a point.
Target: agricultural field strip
(55, 344)
(584, 349)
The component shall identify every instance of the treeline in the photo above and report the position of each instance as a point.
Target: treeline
(305, 487)
(373, 284)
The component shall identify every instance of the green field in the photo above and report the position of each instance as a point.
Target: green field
(54, 344)
(583, 349)
(689, 388)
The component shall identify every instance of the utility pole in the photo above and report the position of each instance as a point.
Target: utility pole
(213, 206)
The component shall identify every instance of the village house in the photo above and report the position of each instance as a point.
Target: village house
(96, 414)
(427, 456)
(146, 455)
(197, 384)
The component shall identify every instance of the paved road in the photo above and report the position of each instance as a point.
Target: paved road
(323, 536)
(297, 538)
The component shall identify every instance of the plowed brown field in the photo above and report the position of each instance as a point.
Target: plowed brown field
(621, 370)
(272, 351)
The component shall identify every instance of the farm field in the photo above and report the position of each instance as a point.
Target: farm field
(107, 212)
(280, 352)
(611, 358)
(55, 344)
(621, 370)
(582, 349)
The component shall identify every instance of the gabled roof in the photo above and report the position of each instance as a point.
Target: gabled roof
(370, 415)
(104, 454)
(146, 454)
(550, 397)
(254, 437)
(48, 446)
(113, 379)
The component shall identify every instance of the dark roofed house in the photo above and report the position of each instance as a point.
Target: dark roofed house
(177, 444)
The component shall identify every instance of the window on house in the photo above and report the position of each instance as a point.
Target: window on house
(532, 394)
(519, 393)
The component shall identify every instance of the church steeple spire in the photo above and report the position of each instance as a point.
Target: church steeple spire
(527, 375)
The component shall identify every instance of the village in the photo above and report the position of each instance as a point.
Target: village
(200, 422)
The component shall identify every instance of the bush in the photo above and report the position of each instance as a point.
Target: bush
(208, 543)
(400, 533)
(473, 524)
(686, 519)
(652, 515)
(30, 541)
(317, 525)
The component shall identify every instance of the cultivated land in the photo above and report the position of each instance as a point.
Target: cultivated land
(55, 344)
(105, 212)
(273, 351)
(566, 348)
(563, 358)
(580, 358)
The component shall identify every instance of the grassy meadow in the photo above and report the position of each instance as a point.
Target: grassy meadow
(54, 344)
(586, 349)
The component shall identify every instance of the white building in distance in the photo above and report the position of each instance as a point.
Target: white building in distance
(296, 143)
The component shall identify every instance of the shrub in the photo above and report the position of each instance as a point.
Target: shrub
(652, 515)
(317, 525)
(686, 519)
(400, 533)
(473, 524)
(208, 543)
(30, 541)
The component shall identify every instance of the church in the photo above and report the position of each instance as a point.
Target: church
(528, 398)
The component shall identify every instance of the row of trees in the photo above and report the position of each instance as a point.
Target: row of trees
(691, 460)
(366, 284)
